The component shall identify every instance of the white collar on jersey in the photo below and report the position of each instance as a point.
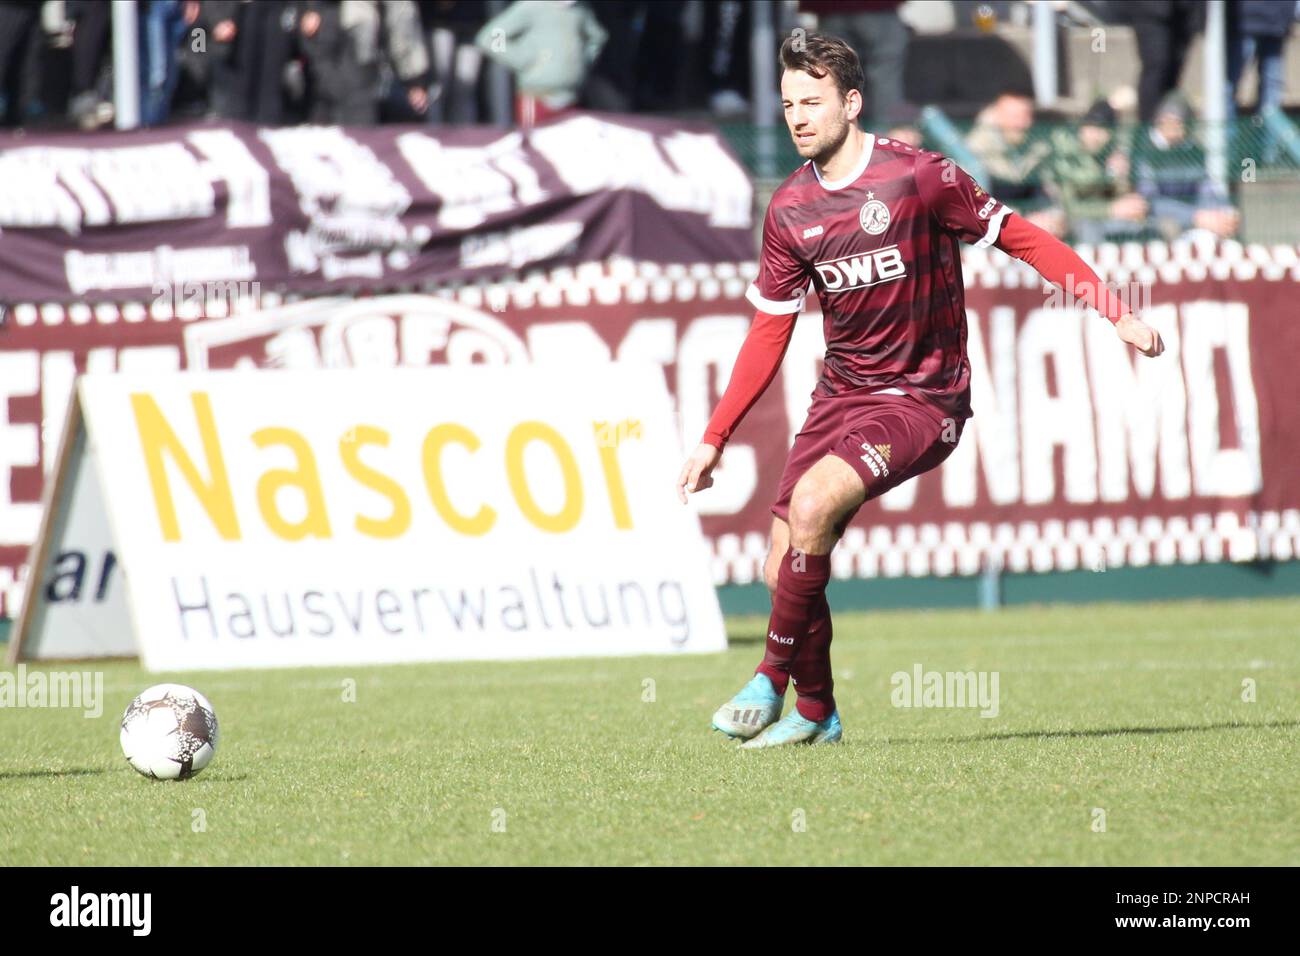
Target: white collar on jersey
(858, 170)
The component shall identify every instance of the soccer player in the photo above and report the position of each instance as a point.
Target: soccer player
(873, 225)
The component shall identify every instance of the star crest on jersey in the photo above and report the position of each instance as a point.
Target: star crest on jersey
(874, 217)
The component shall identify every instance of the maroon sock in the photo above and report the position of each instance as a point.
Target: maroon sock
(800, 586)
(811, 668)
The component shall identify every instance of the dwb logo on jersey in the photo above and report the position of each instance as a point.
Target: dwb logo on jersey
(862, 269)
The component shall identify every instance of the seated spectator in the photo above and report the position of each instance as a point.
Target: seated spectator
(1170, 173)
(1090, 177)
(1015, 164)
(549, 45)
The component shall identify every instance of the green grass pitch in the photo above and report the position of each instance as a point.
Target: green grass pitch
(1136, 711)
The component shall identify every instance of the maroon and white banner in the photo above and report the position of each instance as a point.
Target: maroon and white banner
(142, 215)
(1080, 454)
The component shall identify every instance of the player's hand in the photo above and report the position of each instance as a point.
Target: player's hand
(697, 473)
(1139, 335)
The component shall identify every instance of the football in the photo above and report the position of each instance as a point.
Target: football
(169, 732)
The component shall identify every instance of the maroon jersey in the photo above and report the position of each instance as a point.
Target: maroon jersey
(880, 249)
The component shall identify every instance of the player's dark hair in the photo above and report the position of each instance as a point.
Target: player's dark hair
(818, 54)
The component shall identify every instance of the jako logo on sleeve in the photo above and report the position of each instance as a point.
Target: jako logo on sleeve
(862, 270)
(102, 909)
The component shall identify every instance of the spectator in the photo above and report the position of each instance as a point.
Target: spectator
(249, 44)
(1164, 30)
(663, 35)
(20, 49)
(874, 29)
(1015, 164)
(345, 42)
(1170, 172)
(455, 62)
(88, 106)
(1257, 30)
(549, 45)
(611, 83)
(163, 25)
(1091, 178)
(725, 46)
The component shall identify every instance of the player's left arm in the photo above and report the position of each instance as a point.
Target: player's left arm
(1062, 266)
(963, 208)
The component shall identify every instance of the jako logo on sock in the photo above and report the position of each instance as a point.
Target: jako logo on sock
(773, 636)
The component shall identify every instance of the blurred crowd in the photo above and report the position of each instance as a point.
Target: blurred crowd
(1131, 169)
(1098, 180)
(368, 61)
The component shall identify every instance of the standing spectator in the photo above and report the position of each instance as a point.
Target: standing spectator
(1170, 172)
(345, 44)
(163, 24)
(456, 64)
(612, 81)
(878, 35)
(1164, 30)
(20, 49)
(88, 107)
(250, 44)
(549, 45)
(725, 45)
(1257, 30)
(1091, 178)
(663, 37)
(1015, 163)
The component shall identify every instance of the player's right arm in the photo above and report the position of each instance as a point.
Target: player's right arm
(778, 294)
(756, 365)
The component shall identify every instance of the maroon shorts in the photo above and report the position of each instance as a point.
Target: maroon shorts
(886, 437)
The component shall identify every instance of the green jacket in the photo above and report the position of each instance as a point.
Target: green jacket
(549, 46)
(1080, 179)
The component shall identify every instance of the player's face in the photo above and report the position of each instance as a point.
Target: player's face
(818, 116)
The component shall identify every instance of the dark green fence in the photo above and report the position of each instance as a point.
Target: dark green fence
(1260, 170)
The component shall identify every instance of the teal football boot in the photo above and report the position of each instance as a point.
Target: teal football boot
(795, 728)
(755, 707)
